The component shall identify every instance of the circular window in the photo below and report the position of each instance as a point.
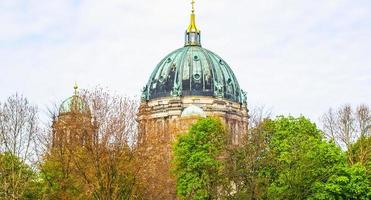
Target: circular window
(161, 79)
(197, 76)
(196, 58)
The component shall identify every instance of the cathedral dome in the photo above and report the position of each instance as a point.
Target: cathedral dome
(193, 71)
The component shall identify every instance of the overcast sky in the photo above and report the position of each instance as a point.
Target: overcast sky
(295, 56)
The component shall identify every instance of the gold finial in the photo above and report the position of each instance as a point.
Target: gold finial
(75, 87)
(193, 6)
(192, 28)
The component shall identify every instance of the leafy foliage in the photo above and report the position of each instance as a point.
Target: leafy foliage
(78, 174)
(347, 183)
(17, 180)
(302, 158)
(59, 179)
(307, 162)
(247, 164)
(198, 162)
(290, 159)
(361, 152)
(91, 157)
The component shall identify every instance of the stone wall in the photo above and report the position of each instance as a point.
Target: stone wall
(161, 121)
(73, 129)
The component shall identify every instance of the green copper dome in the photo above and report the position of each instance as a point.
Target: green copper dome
(74, 104)
(193, 71)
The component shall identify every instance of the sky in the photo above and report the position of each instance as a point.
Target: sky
(295, 57)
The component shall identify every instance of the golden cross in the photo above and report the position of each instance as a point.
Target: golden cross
(75, 87)
(193, 6)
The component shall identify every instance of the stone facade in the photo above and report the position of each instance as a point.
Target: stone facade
(162, 120)
(74, 129)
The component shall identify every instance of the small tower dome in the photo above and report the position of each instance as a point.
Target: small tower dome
(74, 104)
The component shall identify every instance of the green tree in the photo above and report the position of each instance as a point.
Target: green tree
(247, 162)
(59, 177)
(348, 183)
(362, 154)
(198, 160)
(17, 180)
(289, 158)
(304, 161)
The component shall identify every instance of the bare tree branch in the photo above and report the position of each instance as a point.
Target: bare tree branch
(345, 126)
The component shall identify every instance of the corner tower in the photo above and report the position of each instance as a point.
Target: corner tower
(189, 83)
(73, 126)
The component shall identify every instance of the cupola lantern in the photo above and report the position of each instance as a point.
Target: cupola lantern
(193, 34)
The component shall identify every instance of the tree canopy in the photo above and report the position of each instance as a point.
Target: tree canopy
(281, 158)
(289, 158)
(197, 160)
(305, 164)
(17, 179)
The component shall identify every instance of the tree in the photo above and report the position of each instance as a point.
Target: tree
(18, 127)
(18, 131)
(347, 183)
(345, 125)
(257, 115)
(247, 162)
(304, 160)
(17, 180)
(112, 157)
(198, 164)
(288, 158)
(103, 168)
(362, 153)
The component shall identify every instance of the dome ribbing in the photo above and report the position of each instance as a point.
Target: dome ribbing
(193, 71)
